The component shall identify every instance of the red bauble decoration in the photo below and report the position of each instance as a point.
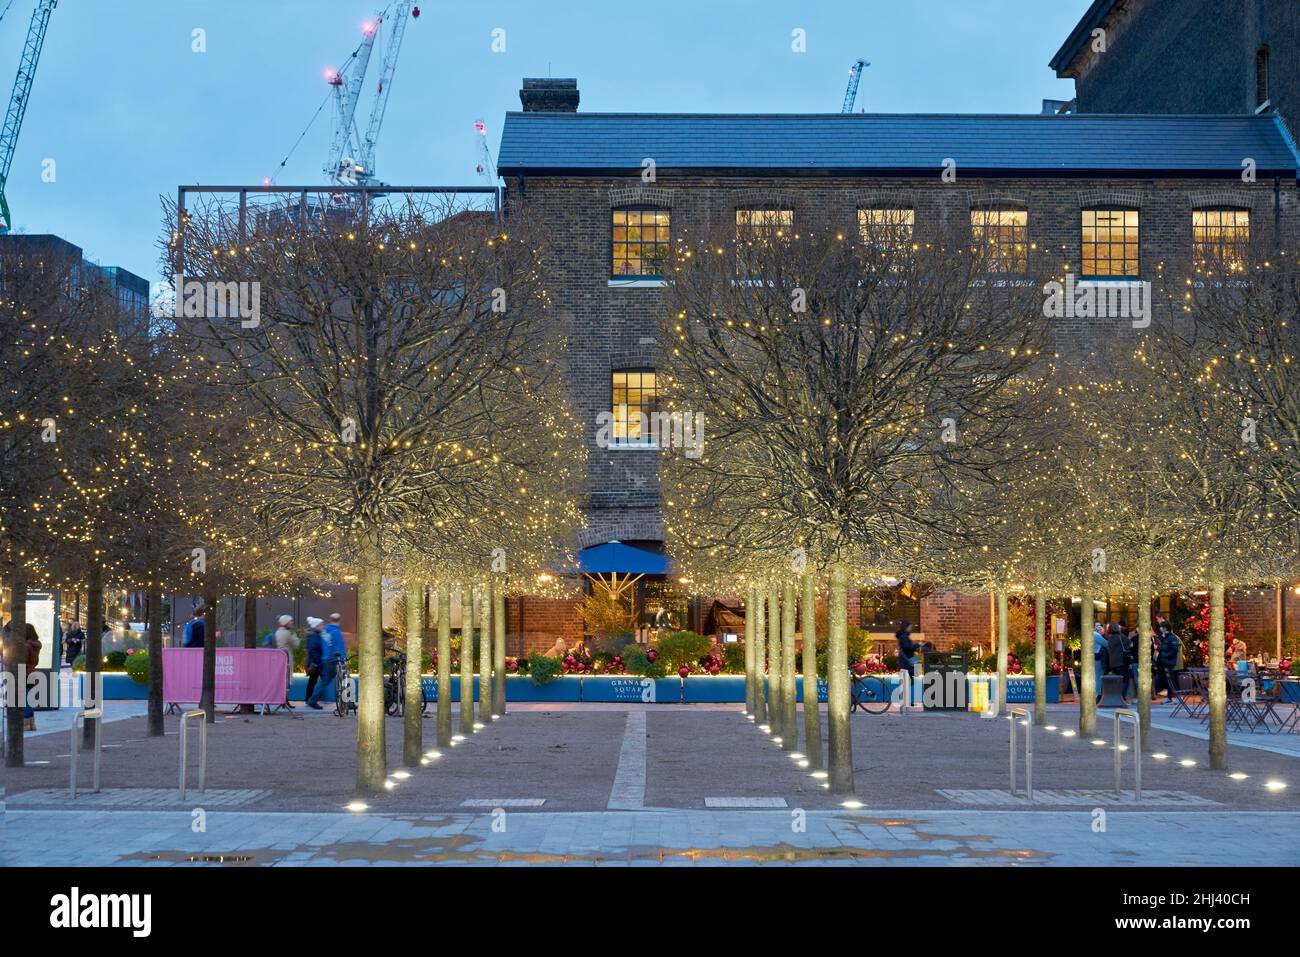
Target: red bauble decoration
(714, 669)
(683, 671)
(859, 668)
(652, 654)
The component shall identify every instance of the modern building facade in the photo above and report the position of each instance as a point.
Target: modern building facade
(1119, 197)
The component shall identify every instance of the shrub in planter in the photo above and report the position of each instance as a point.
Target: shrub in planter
(682, 649)
(544, 669)
(1295, 668)
(79, 663)
(115, 661)
(137, 667)
(733, 659)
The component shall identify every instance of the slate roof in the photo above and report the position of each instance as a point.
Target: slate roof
(881, 144)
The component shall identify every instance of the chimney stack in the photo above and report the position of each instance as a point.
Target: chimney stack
(549, 96)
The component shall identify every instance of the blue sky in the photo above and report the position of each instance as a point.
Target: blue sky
(127, 110)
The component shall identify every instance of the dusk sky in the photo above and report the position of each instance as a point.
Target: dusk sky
(127, 111)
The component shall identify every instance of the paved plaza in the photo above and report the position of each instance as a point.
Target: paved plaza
(630, 784)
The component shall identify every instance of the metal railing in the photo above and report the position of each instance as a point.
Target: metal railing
(1137, 751)
(203, 748)
(1012, 714)
(95, 714)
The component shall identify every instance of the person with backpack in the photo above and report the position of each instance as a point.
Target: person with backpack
(1171, 650)
(193, 635)
(316, 655)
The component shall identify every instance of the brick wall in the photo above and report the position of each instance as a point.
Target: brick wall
(949, 616)
(1258, 610)
(534, 624)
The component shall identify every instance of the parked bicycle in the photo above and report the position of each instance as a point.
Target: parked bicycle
(870, 693)
(395, 686)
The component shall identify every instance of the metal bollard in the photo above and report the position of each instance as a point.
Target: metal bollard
(1013, 713)
(1137, 751)
(99, 743)
(994, 705)
(203, 747)
(904, 690)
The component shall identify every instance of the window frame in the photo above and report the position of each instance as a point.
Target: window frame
(902, 244)
(1020, 265)
(1243, 246)
(1124, 243)
(637, 208)
(645, 442)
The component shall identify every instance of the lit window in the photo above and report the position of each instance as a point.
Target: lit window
(634, 402)
(640, 243)
(1110, 242)
(763, 225)
(1004, 235)
(886, 229)
(1220, 237)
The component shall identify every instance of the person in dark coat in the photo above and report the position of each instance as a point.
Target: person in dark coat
(73, 641)
(1117, 654)
(1167, 661)
(907, 648)
(316, 663)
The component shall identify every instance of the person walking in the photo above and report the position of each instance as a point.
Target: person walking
(1099, 659)
(318, 652)
(1170, 651)
(1117, 650)
(286, 639)
(907, 648)
(315, 664)
(193, 635)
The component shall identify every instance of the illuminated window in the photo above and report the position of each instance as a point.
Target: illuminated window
(1110, 242)
(763, 225)
(886, 228)
(635, 400)
(640, 243)
(1004, 235)
(1220, 236)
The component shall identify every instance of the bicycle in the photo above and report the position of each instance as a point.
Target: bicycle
(395, 687)
(343, 694)
(870, 693)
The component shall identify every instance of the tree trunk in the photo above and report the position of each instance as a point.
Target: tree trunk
(775, 681)
(760, 658)
(413, 714)
(790, 716)
(156, 664)
(93, 683)
(812, 718)
(1144, 658)
(208, 699)
(15, 647)
(1087, 670)
(467, 660)
(840, 764)
(485, 656)
(1002, 650)
(372, 766)
(751, 594)
(1218, 681)
(444, 665)
(499, 651)
(1040, 658)
(250, 641)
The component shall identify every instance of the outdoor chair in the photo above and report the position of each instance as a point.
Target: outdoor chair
(1184, 690)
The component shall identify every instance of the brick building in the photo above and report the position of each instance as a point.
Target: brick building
(1115, 195)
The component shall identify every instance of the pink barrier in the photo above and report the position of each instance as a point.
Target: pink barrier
(244, 675)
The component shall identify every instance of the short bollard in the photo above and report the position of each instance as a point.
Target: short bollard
(92, 713)
(203, 747)
(904, 690)
(1013, 714)
(1137, 751)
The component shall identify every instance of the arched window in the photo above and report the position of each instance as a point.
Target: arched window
(639, 243)
(1220, 236)
(1001, 234)
(1110, 243)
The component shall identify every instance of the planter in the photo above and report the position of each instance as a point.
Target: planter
(564, 688)
(1020, 688)
(629, 689)
(430, 684)
(710, 689)
(823, 691)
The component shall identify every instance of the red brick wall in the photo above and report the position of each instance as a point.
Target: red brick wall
(1258, 610)
(533, 624)
(948, 616)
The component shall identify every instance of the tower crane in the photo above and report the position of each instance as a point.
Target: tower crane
(486, 168)
(351, 159)
(18, 98)
(855, 77)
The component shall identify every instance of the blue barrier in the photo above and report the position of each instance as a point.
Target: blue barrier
(564, 688)
(623, 688)
(727, 689)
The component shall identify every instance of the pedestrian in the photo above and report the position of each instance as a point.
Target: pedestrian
(193, 635)
(1170, 651)
(907, 648)
(335, 644)
(33, 662)
(317, 653)
(286, 639)
(1099, 653)
(1117, 655)
(315, 663)
(74, 639)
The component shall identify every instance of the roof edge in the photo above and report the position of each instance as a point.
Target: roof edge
(1092, 18)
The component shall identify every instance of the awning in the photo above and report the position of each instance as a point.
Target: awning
(617, 558)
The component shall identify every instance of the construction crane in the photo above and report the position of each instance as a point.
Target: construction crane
(855, 77)
(358, 168)
(18, 98)
(486, 169)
